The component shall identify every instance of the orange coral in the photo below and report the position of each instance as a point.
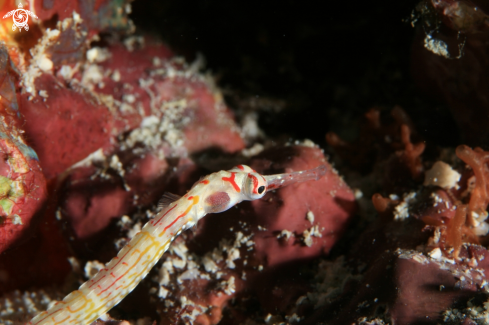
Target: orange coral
(378, 139)
(477, 159)
(454, 231)
(460, 228)
(411, 153)
(383, 205)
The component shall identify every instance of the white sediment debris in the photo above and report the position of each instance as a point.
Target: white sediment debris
(253, 150)
(92, 268)
(435, 253)
(310, 217)
(401, 211)
(213, 266)
(464, 275)
(154, 131)
(305, 143)
(436, 46)
(134, 230)
(358, 193)
(228, 286)
(480, 226)
(196, 310)
(477, 312)
(294, 318)
(98, 54)
(16, 219)
(116, 76)
(124, 222)
(92, 76)
(18, 307)
(96, 157)
(209, 264)
(132, 42)
(286, 234)
(181, 265)
(66, 72)
(250, 130)
(443, 175)
(309, 233)
(41, 62)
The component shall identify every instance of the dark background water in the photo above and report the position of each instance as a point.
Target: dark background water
(323, 63)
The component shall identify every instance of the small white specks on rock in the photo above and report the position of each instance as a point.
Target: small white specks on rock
(66, 72)
(44, 63)
(393, 197)
(97, 55)
(19, 307)
(163, 292)
(92, 74)
(306, 143)
(229, 286)
(189, 274)
(436, 46)
(180, 249)
(209, 264)
(16, 220)
(129, 98)
(294, 318)
(481, 228)
(134, 230)
(133, 41)
(178, 263)
(125, 221)
(233, 254)
(76, 18)
(253, 151)
(156, 61)
(95, 157)
(358, 193)
(286, 234)
(116, 76)
(435, 253)
(310, 217)
(164, 277)
(309, 233)
(401, 211)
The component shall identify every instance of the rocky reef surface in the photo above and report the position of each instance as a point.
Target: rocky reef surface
(98, 120)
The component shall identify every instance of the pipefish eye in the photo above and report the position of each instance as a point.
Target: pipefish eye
(255, 186)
